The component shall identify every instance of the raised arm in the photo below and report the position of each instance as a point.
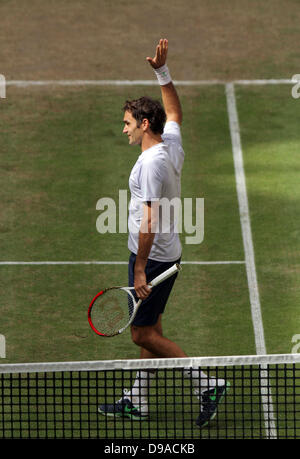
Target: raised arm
(170, 97)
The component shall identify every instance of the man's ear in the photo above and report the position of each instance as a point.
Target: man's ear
(145, 124)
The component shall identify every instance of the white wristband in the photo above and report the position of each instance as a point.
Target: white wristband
(163, 75)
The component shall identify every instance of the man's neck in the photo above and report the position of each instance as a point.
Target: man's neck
(149, 140)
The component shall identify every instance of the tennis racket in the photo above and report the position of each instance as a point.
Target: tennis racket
(112, 310)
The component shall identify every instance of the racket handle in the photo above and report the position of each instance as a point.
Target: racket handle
(165, 275)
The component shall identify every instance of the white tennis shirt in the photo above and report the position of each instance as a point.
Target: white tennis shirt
(157, 175)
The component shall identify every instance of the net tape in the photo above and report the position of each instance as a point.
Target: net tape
(139, 364)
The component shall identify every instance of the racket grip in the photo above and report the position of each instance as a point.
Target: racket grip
(165, 275)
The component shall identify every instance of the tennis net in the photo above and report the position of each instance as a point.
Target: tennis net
(61, 400)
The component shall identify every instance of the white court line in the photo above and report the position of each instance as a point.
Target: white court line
(7, 263)
(245, 219)
(249, 257)
(26, 83)
(263, 82)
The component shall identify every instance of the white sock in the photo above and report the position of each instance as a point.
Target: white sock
(140, 389)
(200, 380)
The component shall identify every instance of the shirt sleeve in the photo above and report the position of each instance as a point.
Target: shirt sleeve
(172, 132)
(151, 180)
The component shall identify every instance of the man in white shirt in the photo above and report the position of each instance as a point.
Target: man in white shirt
(155, 244)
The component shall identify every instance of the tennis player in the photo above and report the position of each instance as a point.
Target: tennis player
(155, 245)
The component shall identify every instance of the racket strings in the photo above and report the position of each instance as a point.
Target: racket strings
(112, 311)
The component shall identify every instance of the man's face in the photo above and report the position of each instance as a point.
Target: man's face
(134, 133)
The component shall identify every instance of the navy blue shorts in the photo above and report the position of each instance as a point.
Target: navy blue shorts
(155, 303)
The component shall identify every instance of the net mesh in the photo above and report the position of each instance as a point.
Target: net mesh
(61, 400)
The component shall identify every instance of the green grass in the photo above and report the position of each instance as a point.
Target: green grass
(61, 150)
(271, 140)
(63, 157)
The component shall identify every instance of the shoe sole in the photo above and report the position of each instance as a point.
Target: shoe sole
(227, 388)
(124, 415)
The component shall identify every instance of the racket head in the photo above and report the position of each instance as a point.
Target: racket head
(112, 310)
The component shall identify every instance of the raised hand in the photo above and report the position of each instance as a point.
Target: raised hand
(160, 57)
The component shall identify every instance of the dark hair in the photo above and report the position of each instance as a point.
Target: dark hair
(147, 108)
